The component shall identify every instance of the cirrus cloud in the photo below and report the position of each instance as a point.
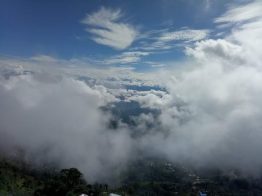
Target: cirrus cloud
(107, 29)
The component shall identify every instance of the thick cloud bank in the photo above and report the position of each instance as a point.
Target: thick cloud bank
(214, 114)
(58, 120)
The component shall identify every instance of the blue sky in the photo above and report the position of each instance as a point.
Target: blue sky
(142, 34)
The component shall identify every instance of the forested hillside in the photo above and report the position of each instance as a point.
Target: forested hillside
(144, 177)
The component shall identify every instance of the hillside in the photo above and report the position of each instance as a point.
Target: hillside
(144, 177)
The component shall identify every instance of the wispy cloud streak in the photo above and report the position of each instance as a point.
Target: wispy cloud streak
(107, 29)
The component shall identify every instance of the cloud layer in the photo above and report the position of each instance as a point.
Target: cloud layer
(214, 103)
(58, 121)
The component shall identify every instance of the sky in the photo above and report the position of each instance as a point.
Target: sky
(187, 74)
(144, 35)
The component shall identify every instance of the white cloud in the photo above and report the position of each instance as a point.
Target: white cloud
(155, 64)
(164, 40)
(215, 108)
(207, 49)
(59, 121)
(211, 115)
(107, 29)
(151, 99)
(184, 35)
(44, 58)
(243, 13)
(246, 22)
(127, 57)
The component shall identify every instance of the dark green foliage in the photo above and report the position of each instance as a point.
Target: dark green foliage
(66, 182)
(18, 181)
(142, 178)
(14, 181)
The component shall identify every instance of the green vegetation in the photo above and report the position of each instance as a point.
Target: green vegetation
(19, 181)
(142, 178)
(14, 181)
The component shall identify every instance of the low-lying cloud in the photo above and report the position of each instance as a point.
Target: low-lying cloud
(214, 115)
(59, 121)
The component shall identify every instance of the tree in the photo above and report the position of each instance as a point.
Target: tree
(66, 182)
